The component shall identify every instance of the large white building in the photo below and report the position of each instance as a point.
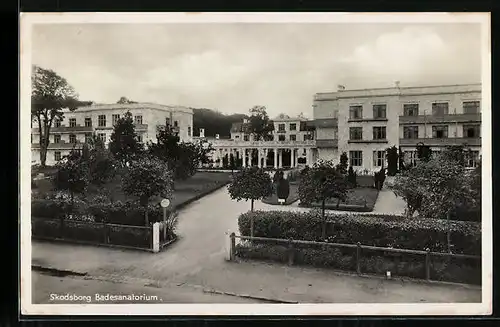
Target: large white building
(76, 126)
(363, 123)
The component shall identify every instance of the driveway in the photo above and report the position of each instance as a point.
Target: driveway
(198, 259)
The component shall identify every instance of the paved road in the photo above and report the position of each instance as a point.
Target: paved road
(198, 259)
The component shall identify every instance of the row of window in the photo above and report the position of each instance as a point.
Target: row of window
(411, 109)
(291, 127)
(441, 131)
(379, 133)
(281, 137)
(356, 158)
(72, 138)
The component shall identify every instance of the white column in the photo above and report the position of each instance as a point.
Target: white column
(292, 158)
(265, 157)
(280, 160)
(275, 158)
(221, 157)
(156, 237)
(244, 156)
(259, 158)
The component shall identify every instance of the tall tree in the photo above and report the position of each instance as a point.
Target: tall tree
(260, 126)
(72, 174)
(101, 164)
(146, 177)
(50, 94)
(392, 160)
(250, 184)
(344, 163)
(124, 143)
(324, 182)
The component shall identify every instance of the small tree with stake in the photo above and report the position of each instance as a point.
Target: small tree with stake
(147, 177)
(250, 184)
(324, 183)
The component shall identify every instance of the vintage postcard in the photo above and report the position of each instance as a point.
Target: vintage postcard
(255, 164)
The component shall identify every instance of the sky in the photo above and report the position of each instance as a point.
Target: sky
(232, 67)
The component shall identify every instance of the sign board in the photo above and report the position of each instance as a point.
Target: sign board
(165, 203)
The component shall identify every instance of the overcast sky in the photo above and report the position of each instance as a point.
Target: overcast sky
(232, 67)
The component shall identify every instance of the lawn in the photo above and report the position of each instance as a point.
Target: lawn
(185, 191)
(293, 197)
(358, 199)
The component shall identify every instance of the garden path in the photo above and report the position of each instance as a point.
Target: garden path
(197, 258)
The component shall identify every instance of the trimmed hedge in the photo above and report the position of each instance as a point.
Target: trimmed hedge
(406, 265)
(376, 230)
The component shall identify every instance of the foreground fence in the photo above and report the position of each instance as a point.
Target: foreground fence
(125, 236)
(293, 246)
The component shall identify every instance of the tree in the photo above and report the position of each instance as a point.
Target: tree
(379, 178)
(124, 144)
(124, 100)
(72, 174)
(260, 126)
(401, 158)
(182, 158)
(283, 189)
(344, 163)
(101, 164)
(406, 186)
(146, 177)
(424, 152)
(324, 182)
(392, 161)
(250, 184)
(351, 177)
(225, 161)
(50, 94)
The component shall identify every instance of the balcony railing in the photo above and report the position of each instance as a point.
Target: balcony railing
(421, 119)
(356, 120)
(368, 141)
(442, 141)
(327, 143)
(59, 146)
(65, 129)
(248, 144)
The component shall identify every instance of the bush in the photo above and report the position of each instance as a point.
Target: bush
(125, 213)
(379, 179)
(374, 230)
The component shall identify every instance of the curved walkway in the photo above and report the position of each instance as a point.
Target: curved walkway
(198, 258)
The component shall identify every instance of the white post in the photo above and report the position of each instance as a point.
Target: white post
(265, 157)
(156, 237)
(275, 158)
(244, 156)
(280, 156)
(259, 157)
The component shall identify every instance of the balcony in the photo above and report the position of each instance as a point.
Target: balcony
(327, 143)
(442, 141)
(324, 123)
(357, 120)
(59, 146)
(429, 119)
(368, 141)
(65, 129)
(262, 144)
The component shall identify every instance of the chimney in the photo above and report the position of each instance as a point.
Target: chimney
(340, 88)
(202, 132)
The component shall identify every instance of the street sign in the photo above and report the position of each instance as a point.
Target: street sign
(165, 203)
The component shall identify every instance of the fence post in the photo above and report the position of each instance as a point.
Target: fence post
(358, 257)
(232, 246)
(156, 237)
(428, 264)
(290, 252)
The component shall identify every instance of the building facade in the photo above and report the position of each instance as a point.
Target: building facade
(291, 145)
(363, 123)
(76, 126)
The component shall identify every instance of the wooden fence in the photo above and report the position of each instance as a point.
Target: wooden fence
(359, 247)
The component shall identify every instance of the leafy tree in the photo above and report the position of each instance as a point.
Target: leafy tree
(50, 94)
(124, 100)
(406, 186)
(324, 182)
(260, 126)
(401, 158)
(146, 177)
(342, 166)
(283, 189)
(124, 144)
(182, 158)
(250, 184)
(351, 177)
(392, 161)
(101, 164)
(225, 161)
(424, 152)
(72, 174)
(379, 178)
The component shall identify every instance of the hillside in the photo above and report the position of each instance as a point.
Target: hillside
(214, 122)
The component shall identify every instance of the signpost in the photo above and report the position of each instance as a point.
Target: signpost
(164, 204)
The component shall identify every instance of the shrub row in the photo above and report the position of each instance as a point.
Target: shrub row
(374, 230)
(123, 213)
(412, 266)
